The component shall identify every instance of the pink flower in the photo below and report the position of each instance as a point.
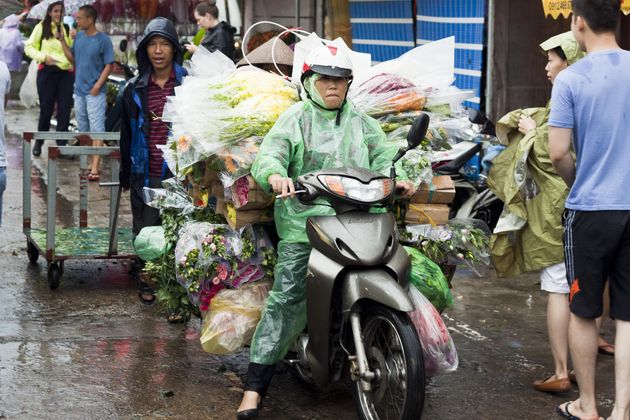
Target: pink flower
(222, 272)
(183, 260)
(216, 280)
(213, 247)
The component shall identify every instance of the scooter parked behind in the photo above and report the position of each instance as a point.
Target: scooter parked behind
(473, 198)
(357, 294)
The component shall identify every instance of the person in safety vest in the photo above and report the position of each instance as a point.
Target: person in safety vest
(321, 132)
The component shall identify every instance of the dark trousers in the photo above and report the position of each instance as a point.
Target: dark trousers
(54, 86)
(259, 377)
(143, 215)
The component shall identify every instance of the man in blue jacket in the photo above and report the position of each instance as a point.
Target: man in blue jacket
(159, 57)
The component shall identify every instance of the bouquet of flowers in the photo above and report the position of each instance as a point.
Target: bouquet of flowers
(387, 94)
(216, 113)
(212, 257)
(460, 241)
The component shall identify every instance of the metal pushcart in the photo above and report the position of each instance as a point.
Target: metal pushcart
(82, 242)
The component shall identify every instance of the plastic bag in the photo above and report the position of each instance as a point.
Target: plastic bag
(417, 165)
(173, 196)
(438, 348)
(28, 90)
(428, 278)
(150, 243)
(461, 241)
(210, 115)
(387, 94)
(231, 321)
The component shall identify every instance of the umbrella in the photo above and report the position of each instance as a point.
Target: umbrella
(72, 6)
(8, 7)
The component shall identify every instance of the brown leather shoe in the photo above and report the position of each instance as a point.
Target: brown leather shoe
(553, 386)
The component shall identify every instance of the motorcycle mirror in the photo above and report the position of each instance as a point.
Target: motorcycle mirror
(418, 131)
(123, 45)
(475, 116)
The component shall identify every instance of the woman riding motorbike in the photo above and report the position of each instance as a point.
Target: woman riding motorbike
(321, 132)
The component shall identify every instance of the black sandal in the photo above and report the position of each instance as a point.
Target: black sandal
(144, 293)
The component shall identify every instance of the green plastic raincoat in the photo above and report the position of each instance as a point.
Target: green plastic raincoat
(307, 138)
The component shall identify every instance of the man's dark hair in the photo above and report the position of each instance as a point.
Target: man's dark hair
(205, 8)
(600, 15)
(89, 11)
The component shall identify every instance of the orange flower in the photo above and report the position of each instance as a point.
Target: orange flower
(183, 144)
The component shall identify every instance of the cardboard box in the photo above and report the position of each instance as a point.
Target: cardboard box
(441, 190)
(240, 218)
(247, 195)
(419, 214)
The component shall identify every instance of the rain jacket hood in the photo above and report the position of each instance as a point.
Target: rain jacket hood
(157, 27)
(311, 94)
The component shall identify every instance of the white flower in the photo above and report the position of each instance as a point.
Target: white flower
(213, 247)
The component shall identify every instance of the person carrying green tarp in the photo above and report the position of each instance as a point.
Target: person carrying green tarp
(528, 236)
(323, 131)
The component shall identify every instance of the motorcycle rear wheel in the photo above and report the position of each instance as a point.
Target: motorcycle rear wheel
(394, 353)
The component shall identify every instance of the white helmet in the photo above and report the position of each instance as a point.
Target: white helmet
(328, 60)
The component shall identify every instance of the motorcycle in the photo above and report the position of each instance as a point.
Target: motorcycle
(357, 294)
(473, 198)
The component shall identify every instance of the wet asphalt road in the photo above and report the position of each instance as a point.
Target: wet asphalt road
(91, 350)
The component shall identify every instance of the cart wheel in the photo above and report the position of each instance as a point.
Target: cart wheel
(54, 274)
(32, 252)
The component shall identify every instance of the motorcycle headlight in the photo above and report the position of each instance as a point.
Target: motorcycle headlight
(372, 192)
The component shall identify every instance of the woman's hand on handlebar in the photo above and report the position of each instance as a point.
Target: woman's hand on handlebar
(282, 186)
(405, 188)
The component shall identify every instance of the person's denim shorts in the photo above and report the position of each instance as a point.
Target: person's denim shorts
(3, 186)
(90, 112)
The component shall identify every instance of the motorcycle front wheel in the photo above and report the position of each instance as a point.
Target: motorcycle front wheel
(394, 354)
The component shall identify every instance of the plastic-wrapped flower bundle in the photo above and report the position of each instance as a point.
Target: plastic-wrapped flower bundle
(217, 107)
(386, 94)
(461, 241)
(212, 257)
